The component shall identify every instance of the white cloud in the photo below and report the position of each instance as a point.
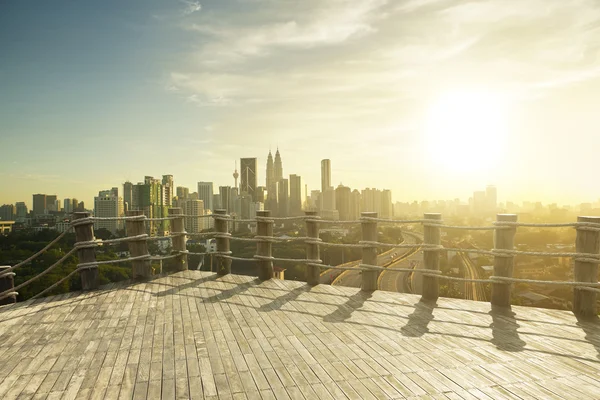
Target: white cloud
(191, 7)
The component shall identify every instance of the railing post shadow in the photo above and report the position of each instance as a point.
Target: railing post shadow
(587, 241)
(313, 272)
(264, 227)
(7, 282)
(430, 287)
(178, 228)
(369, 254)
(141, 269)
(223, 246)
(84, 232)
(504, 239)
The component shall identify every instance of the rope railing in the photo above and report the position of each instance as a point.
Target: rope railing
(505, 226)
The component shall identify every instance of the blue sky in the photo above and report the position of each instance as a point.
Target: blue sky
(94, 93)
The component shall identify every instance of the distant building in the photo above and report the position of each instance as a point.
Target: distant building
(194, 208)
(354, 205)
(325, 175)
(21, 210)
(107, 205)
(278, 170)
(205, 193)
(248, 177)
(295, 205)
(283, 194)
(182, 192)
(8, 212)
(39, 204)
(67, 206)
(342, 202)
(491, 198)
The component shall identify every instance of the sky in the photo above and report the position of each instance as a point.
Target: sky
(432, 99)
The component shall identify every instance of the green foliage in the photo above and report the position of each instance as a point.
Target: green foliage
(21, 245)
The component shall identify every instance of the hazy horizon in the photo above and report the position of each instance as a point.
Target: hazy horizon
(431, 99)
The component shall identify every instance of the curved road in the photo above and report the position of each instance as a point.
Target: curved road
(354, 278)
(332, 276)
(394, 281)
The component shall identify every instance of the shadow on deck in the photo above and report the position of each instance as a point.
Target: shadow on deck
(196, 335)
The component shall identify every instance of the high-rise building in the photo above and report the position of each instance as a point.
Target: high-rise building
(386, 204)
(278, 167)
(342, 201)
(260, 194)
(183, 193)
(8, 212)
(283, 194)
(295, 195)
(128, 195)
(354, 205)
(106, 204)
(195, 208)
(216, 200)
(328, 199)
(39, 204)
(67, 206)
(51, 203)
(167, 190)
(325, 175)
(74, 205)
(248, 181)
(151, 200)
(21, 210)
(205, 193)
(270, 179)
(227, 200)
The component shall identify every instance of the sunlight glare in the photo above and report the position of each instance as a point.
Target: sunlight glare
(466, 131)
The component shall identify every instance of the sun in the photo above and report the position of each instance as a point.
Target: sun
(466, 131)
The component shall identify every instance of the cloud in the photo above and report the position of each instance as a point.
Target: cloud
(191, 7)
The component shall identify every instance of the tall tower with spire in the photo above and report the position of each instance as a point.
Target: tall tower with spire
(270, 171)
(236, 175)
(278, 167)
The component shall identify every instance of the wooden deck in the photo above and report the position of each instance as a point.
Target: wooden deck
(193, 335)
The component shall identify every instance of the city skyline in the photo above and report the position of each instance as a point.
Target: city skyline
(492, 95)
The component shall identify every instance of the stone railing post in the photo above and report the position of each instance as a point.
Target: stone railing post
(369, 254)
(313, 273)
(223, 246)
(430, 288)
(7, 282)
(587, 241)
(84, 232)
(264, 228)
(178, 227)
(141, 269)
(504, 239)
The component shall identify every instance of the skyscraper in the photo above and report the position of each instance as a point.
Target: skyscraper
(167, 190)
(67, 206)
(278, 167)
(248, 182)
(196, 208)
(270, 171)
(227, 199)
(386, 204)
(354, 205)
(128, 194)
(21, 209)
(205, 193)
(39, 204)
(342, 202)
(52, 203)
(283, 191)
(325, 175)
(295, 195)
(183, 193)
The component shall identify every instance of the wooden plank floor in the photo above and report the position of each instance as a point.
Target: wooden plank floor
(193, 335)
